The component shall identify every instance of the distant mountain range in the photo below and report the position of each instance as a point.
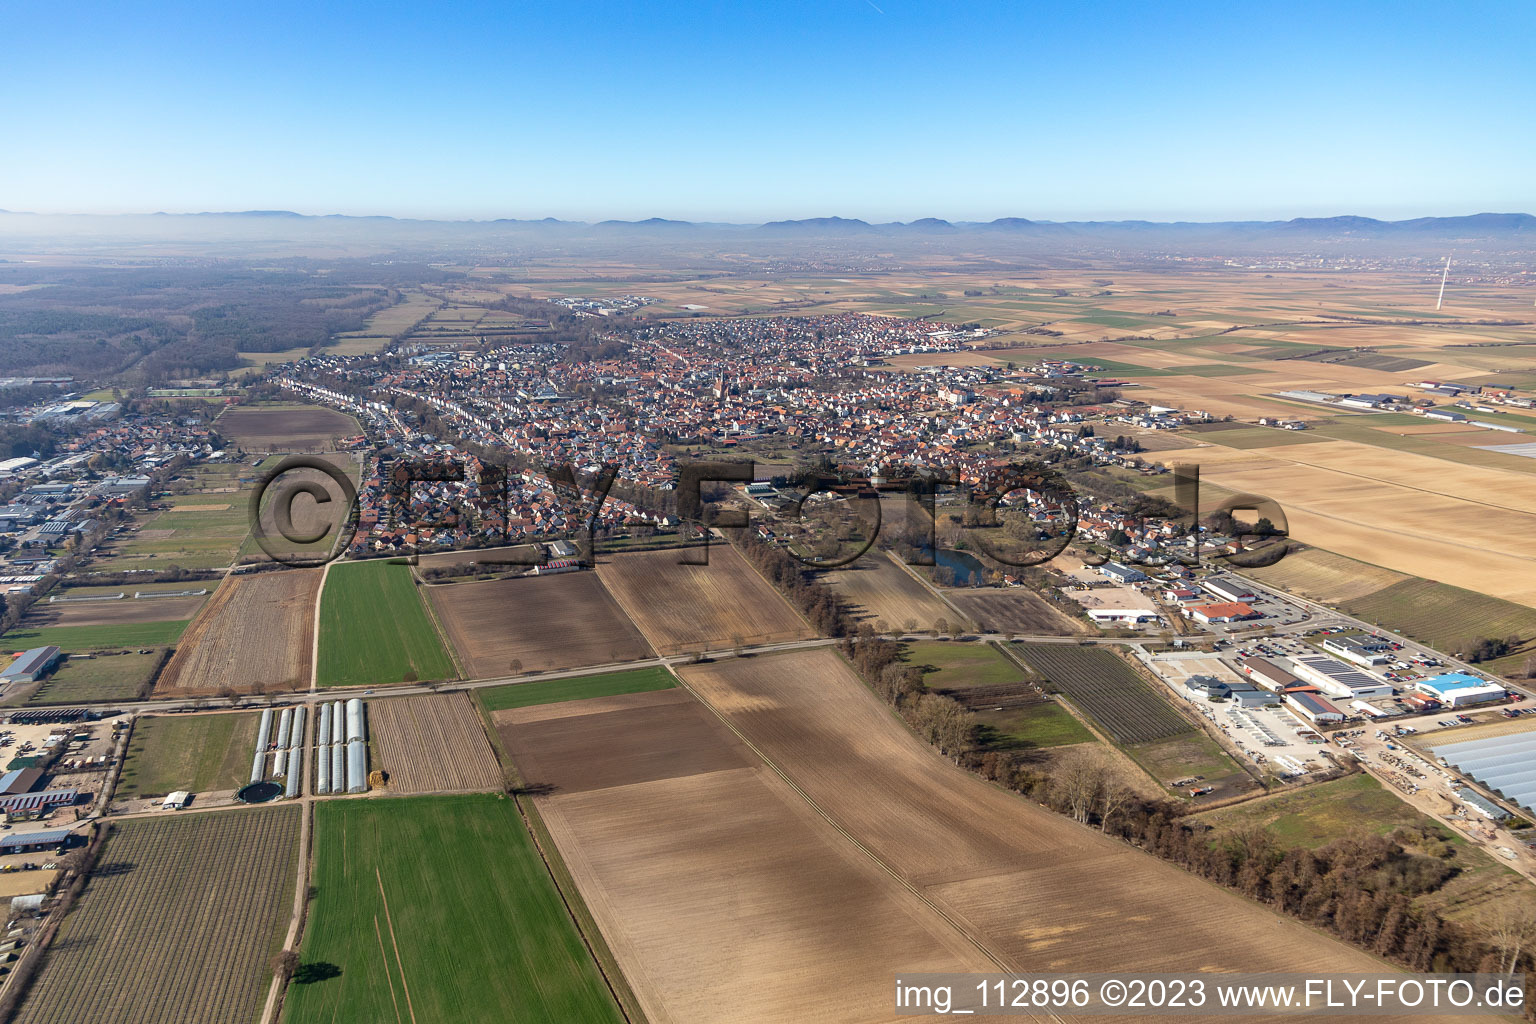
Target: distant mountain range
(1474, 225)
(248, 233)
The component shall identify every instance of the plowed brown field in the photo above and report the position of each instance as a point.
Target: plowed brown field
(432, 744)
(690, 607)
(541, 623)
(1015, 610)
(882, 591)
(1040, 891)
(284, 428)
(723, 895)
(255, 635)
(114, 613)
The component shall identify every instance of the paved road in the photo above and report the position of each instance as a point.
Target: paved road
(406, 689)
(1323, 617)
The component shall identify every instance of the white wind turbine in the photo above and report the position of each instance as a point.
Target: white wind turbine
(1443, 275)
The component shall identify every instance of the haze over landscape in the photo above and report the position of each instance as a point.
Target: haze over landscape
(765, 513)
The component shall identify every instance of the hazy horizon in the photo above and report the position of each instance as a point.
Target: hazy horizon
(533, 218)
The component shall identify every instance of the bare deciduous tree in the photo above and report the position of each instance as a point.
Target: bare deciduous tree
(1075, 783)
(1511, 929)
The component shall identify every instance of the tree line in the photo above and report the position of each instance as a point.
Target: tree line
(821, 608)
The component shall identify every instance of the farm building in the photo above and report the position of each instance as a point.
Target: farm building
(1368, 709)
(1122, 573)
(1233, 611)
(30, 666)
(557, 566)
(1313, 707)
(1337, 679)
(1357, 649)
(33, 842)
(21, 780)
(1458, 689)
(1267, 673)
(1249, 696)
(356, 751)
(1122, 615)
(1200, 687)
(176, 801)
(263, 732)
(33, 805)
(1226, 588)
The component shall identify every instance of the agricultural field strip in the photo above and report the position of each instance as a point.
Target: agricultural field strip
(674, 829)
(983, 852)
(176, 924)
(452, 893)
(996, 958)
(1109, 690)
(885, 590)
(254, 633)
(375, 628)
(432, 744)
(679, 607)
(541, 623)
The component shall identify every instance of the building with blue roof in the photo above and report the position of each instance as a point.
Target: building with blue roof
(1459, 689)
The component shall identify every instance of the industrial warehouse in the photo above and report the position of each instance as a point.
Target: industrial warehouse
(1341, 681)
(1458, 689)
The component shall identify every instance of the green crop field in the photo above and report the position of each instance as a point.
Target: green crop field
(126, 634)
(1034, 725)
(1185, 756)
(374, 629)
(198, 753)
(438, 909)
(1444, 616)
(948, 665)
(555, 691)
(201, 530)
(105, 677)
(1318, 814)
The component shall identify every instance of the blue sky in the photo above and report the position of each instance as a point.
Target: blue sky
(881, 109)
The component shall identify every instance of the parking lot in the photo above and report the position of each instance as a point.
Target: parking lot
(1273, 739)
